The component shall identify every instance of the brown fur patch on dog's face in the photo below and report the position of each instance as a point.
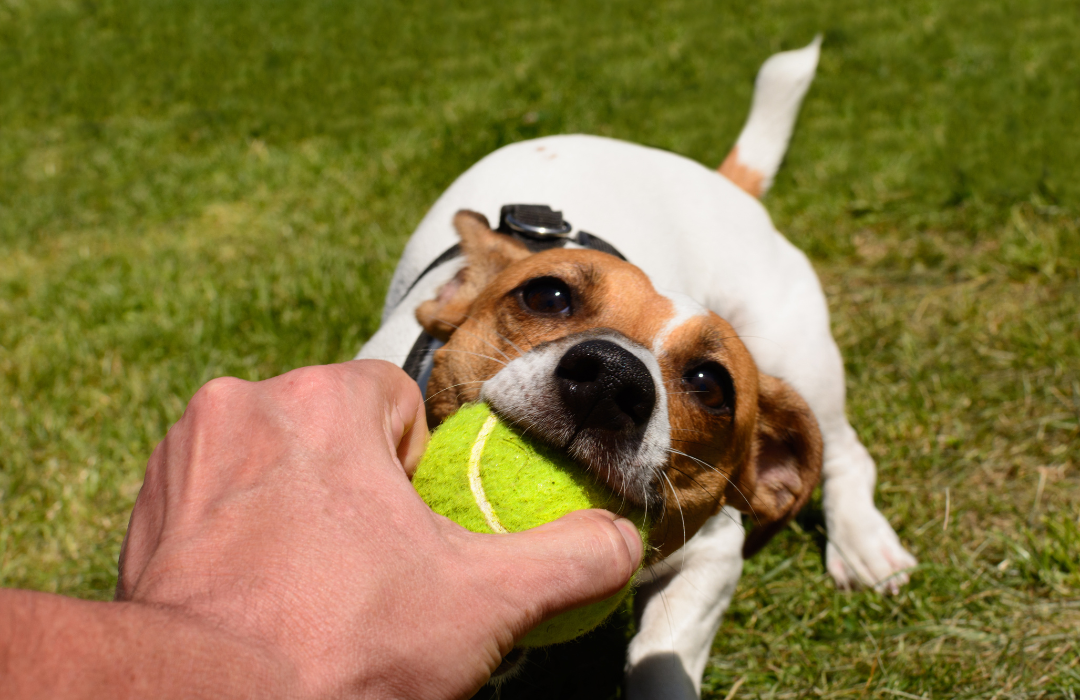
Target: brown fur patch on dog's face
(751, 441)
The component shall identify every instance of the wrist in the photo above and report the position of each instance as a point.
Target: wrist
(52, 646)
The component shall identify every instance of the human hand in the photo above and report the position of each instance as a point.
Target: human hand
(280, 512)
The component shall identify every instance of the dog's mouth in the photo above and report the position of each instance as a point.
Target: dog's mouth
(597, 396)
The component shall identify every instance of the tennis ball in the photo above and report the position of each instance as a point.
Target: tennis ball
(487, 477)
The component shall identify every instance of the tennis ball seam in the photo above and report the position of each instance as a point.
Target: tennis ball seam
(476, 483)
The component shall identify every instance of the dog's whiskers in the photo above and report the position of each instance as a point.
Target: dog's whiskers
(466, 352)
(697, 483)
(475, 381)
(721, 473)
(458, 328)
(692, 442)
(679, 503)
(496, 332)
(703, 463)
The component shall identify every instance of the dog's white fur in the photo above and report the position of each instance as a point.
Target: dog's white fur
(522, 392)
(692, 231)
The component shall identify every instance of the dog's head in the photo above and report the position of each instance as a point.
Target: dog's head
(651, 392)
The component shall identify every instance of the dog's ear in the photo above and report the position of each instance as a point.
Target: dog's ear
(785, 464)
(486, 253)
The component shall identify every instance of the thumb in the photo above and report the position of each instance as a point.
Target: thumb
(581, 558)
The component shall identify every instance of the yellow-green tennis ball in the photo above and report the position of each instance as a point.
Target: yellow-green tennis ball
(484, 475)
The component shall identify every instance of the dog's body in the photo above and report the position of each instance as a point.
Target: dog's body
(700, 237)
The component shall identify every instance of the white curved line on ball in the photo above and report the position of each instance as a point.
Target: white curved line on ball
(475, 483)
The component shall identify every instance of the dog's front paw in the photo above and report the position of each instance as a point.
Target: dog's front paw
(864, 550)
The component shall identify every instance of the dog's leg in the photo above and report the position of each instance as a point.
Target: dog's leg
(679, 611)
(863, 549)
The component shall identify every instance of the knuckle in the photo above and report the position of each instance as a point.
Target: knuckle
(313, 383)
(320, 396)
(364, 379)
(374, 368)
(384, 376)
(216, 396)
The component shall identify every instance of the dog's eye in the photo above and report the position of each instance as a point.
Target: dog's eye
(546, 295)
(711, 385)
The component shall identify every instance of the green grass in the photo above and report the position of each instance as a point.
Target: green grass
(192, 189)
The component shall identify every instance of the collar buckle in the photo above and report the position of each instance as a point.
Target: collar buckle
(536, 221)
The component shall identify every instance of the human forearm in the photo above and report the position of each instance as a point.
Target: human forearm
(57, 647)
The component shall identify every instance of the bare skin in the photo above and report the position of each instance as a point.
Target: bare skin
(277, 549)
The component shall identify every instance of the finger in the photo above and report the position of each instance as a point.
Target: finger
(581, 558)
(412, 444)
(398, 395)
(144, 526)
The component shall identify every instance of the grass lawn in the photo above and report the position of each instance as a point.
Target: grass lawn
(191, 189)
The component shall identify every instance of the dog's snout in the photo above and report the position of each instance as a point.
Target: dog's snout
(605, 386)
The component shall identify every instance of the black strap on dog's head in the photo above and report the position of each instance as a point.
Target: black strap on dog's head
(539, 228)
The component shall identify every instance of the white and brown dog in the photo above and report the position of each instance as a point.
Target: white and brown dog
(698, 377)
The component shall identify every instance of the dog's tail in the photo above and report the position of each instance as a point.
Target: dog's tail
(779, 89)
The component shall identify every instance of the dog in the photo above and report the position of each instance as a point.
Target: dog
(670, 339)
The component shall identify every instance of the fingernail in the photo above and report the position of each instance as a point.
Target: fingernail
(633, 539)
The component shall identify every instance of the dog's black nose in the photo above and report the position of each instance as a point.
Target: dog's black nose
(605, 386)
